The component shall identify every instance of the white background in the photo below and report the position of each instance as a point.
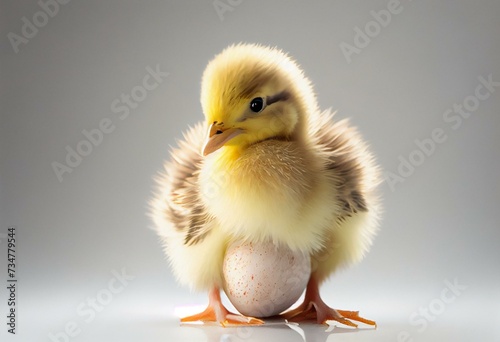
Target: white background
(441, 223)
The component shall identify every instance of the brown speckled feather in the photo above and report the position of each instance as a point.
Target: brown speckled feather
(346, 155)
(184, 207)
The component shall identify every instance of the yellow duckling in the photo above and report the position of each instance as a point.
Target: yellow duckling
(265, 165)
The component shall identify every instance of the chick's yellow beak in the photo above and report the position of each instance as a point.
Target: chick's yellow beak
(217, 136)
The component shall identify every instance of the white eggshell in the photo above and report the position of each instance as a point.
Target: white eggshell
(263, 280)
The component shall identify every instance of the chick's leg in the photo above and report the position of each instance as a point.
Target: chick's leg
(314, 308)
(216, 312)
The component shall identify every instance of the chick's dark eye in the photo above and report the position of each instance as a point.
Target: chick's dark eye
(257, 104)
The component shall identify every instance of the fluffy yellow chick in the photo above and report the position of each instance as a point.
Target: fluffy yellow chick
(265, 165)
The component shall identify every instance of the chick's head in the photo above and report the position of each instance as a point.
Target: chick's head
(251, 93)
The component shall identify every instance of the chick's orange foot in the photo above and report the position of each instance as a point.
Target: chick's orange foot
(315, 309)
(217, 313)
(322, 313)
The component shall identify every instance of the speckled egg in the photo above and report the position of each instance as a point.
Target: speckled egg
(263, 280)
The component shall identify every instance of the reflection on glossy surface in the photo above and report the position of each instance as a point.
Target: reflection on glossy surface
(272, 331)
